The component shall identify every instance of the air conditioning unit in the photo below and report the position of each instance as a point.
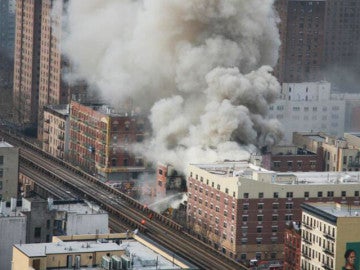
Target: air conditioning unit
(116, 262)
(106, 263)
(77, 262)
(126, 262)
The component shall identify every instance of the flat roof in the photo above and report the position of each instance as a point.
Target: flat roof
(146, 258)
(332, 210)
(43, 249)
(63, 109)
(247, 170)
(79, 208)
(143, 257)
(317, 138)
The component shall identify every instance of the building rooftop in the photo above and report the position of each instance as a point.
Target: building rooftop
(43, 249)
(63, 109)
(247, 170)
(143, 255)
(333, 210)
(316, 138)
(5, 144)
(80, 208)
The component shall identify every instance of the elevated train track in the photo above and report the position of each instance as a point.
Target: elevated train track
(123, 210)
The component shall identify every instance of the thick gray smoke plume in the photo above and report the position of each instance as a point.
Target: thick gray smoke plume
(200, 67)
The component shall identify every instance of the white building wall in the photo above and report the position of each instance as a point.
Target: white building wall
(308, 107)
(12, 231)
(87, 223)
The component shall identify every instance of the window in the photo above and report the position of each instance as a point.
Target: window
(320, 194)
(218, 187)
(37, 232)
(1, 185)
(246, 195)
(261, 195)
(275, 205)
(258, 229)
(260, 206)
(244, 218)
(1, 160)
(288, 217)
(226, 190)
(289, 205)
(259, 217)
(275, 217)
(274, 228)
(276, 194)
(243, 241)
(343, 193)
(289, 194)
(276, 164)
(330, 194)
(246, 206)
(1, 172)
(306, 194)
(258, 241)
(356, 193)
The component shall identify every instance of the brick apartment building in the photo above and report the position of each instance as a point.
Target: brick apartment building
(339, 154)
(101, 139)
(292, 158)
(292, 246)
(302, 30)
(243, 209)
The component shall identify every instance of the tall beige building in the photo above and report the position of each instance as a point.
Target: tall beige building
(27, 61)
(39, 63)
(52, 88)
(328, 231)
(9, 163)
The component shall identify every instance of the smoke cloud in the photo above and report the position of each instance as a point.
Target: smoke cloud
(201, 68)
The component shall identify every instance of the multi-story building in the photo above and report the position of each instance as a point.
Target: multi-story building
(339, 154)
(342, 38)
(302, 40)
(169, 180)
(292, 158)
(319, 39)
(292, 246)
(101, 140)
(48, 218)
(12, 231)
(27, 61)
(56, 130)
(308, 107)
(100, 251)
(52, 88)
(9, 171)
(328, 231)
(7, 28)
(243, 209)
(39, 63)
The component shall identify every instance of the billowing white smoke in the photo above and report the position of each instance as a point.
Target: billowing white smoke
(201, 67)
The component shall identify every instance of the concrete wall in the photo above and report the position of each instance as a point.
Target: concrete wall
(12, 231)
(87, 223)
